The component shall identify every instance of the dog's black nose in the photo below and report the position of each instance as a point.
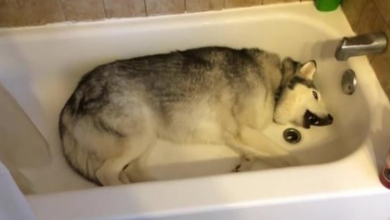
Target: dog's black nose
(330, 119)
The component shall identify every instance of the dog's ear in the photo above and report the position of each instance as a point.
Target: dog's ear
(289, 68)
(308, 69)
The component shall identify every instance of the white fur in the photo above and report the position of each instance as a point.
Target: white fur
(236, 124)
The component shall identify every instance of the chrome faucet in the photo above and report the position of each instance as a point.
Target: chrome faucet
(361, 45)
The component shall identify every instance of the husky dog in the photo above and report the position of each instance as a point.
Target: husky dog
(210, 95)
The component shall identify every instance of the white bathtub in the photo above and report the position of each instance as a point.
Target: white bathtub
(338, 178)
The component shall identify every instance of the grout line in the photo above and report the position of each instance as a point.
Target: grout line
(380, 13)
(146, 9)
(17, 4)
(22, 16)
(372, 58)
(185, 6)
(361, 15)
(224, 4)
(62, 9)
(104, 8)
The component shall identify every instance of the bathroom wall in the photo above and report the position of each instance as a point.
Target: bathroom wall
(16, 13)
(368, 16)
(365, 16)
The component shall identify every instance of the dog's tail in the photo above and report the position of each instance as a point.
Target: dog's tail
(79, 158)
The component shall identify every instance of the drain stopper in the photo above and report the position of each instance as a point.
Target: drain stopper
(292, 135)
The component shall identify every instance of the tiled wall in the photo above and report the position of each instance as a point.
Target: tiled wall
(369, 16)
(365, 16)
(16, 13)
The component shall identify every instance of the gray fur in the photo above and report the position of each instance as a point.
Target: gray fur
(296, 79)
(168, 78)
(121, 101)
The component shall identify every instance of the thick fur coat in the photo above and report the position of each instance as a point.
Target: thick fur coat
(211, 95)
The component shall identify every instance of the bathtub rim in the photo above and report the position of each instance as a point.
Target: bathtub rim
(364, 180)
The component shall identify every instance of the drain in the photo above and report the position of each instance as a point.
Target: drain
(292, 135)
(349, 82)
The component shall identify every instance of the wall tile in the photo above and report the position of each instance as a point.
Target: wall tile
(266, 2)
(203, 5)
(163, 7)
(381, 65)
(242, 3)
(39, 12)
(371, 21)
(82, 10)
(124, 8)
(384, 8)
(9, 14)
(353, 9)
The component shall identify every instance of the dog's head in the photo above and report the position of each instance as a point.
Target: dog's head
(298, 101)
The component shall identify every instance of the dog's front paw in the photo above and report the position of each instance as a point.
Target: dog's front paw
(237, 169)
(245, 165)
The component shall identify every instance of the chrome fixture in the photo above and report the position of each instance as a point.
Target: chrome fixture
(361, 45)
(349, 82)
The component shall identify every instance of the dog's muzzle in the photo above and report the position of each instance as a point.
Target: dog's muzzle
(312, 119)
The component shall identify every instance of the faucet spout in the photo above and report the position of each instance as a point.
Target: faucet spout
(361, 45)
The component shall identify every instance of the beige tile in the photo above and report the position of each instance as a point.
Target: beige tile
(384, 8)
(381, 65)
(241, 3)
(371, 21)
(353, 10)
(39, 12)
(203, 5)
(266, 2)
(83, 10)
(9, 14)
(124, 8)
(387, 92)
(163, 7)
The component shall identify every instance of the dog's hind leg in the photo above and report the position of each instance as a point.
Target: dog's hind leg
(123, 177)
(111, 172)
(139, 133)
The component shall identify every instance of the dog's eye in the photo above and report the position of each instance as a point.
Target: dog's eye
(315, 95)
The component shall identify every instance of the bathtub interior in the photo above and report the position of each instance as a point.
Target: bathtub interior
(41, 67)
